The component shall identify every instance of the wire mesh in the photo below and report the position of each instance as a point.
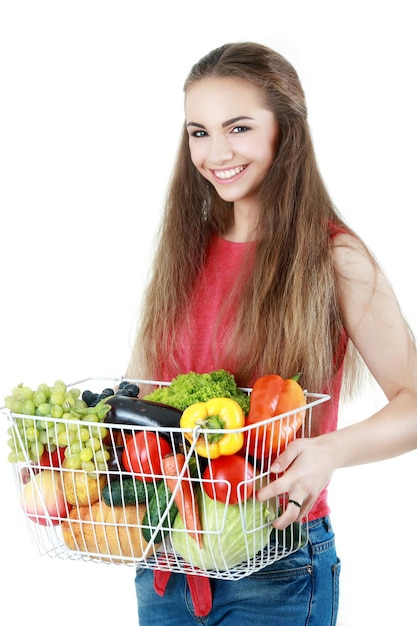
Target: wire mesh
(112, 514)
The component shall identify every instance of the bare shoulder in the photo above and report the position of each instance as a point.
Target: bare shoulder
(372, 316)
(352, 259)
(359, 277)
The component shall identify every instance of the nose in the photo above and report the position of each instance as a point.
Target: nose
(220, 150)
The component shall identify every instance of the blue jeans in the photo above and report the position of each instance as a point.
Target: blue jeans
(301, 589)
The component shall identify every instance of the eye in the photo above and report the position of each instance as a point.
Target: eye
(240, 129)
(198, 133)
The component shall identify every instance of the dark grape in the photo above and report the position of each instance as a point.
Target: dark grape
(132, 389)
(89, 397)
(126, 388)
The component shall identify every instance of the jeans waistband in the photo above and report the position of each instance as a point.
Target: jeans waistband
(320, 521)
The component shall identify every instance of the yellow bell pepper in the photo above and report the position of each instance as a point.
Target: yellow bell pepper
(222, 414)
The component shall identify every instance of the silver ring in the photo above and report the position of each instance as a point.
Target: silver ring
(295, 502)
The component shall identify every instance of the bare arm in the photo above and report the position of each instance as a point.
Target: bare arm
(376, 326)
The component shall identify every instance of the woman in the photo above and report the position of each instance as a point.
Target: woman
(256, 272)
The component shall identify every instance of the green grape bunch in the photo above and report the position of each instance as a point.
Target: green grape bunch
(56, 418)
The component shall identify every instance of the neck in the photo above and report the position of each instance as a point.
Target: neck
(242, 228)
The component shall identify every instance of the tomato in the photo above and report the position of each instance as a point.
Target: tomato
(229, 479)
(143, 454)
(54, 458)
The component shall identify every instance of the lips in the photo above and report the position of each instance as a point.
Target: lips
(229, 173)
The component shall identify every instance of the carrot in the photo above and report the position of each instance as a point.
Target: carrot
(172, 466)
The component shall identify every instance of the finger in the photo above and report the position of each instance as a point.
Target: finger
(270, 490)
(294, 512)
(294, 502)
(275, 487)
(285, 459)
(288, 517)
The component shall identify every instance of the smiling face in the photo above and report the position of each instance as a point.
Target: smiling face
(232, 137)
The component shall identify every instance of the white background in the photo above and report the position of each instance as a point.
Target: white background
(91, 109)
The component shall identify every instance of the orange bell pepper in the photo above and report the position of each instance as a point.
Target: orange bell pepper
(273, 396)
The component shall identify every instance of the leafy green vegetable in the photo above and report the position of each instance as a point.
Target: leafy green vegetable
(227, 540)
(187, 389)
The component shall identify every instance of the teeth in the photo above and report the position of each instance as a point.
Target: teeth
(229, 173)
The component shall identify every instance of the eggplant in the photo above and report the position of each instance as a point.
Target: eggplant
(114, 464)
(127, 411)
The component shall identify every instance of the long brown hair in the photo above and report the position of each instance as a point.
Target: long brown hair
(288, 311)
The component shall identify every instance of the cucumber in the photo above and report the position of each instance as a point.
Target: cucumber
(156, 508)
(127, 490)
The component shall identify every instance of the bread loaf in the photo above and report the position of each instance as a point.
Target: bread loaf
(109, 533)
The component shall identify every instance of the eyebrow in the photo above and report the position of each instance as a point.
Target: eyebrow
(233, 120)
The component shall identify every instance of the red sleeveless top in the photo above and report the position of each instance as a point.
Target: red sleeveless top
(201, 344)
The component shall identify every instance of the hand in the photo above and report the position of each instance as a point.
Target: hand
(304, 470)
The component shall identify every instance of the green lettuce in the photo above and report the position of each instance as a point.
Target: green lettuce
(232, 534)
(187, 389)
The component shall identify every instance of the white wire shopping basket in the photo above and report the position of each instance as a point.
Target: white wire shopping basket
(115, 515)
